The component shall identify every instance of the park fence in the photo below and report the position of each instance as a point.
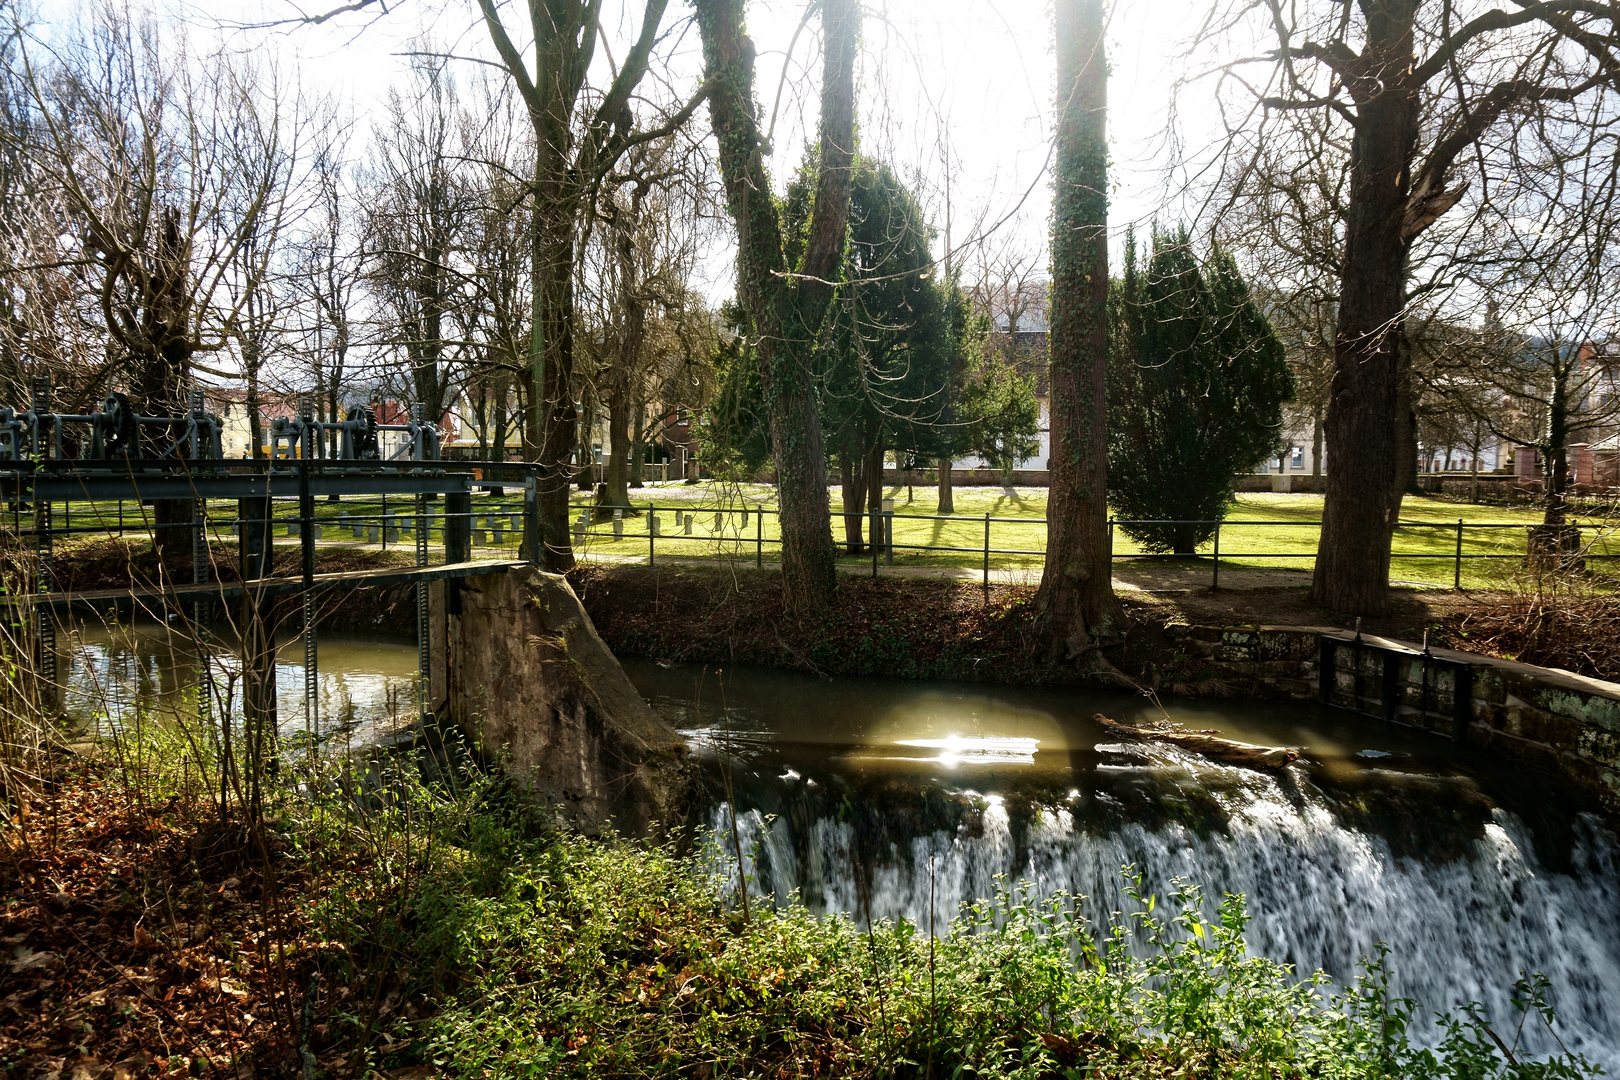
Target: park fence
(686, 531)
(733, 531)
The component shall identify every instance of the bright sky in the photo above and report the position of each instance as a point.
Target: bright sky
(971, 75)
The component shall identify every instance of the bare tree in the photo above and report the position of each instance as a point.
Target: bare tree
(650, 224)
(327, 272)
(418, 221)
(172, 174)
(1430, 96)
(1543, 370)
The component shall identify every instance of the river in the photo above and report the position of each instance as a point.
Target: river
(894, 799)
(871, 796)
(118, 671)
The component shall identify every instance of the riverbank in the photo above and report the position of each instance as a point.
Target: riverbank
(470, 937)
(945, 629)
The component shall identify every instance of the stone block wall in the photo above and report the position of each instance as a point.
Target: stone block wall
(1554, 721)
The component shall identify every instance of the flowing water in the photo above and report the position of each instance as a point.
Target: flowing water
(1471, 872)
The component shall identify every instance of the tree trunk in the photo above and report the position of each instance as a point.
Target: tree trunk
(1076, 599)
(617, 473)
(788, 312)
(1406, 430)
(874, 484)
(1556, 453)
(255, 426)
(497, 450)
(1364, 421)
(163, 392)
(637, 445)
(851, 473)
(585, 453)
(623, 374)
(553, 282)
(1473, 469)
(947, 497)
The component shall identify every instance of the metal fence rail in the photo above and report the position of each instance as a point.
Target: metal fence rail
(725, 531)
(880, 542)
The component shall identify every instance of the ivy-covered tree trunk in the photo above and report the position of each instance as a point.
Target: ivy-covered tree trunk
(787, 309)
(1076, 601)
(552, 278)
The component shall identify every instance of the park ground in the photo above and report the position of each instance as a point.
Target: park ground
(459, 933)
(941, 614)
(995, 533)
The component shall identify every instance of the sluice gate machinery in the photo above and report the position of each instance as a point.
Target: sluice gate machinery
(53, 461)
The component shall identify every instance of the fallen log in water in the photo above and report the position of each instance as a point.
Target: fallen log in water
(1206, 743)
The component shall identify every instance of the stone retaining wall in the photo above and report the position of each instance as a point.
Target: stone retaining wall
(1554, 721)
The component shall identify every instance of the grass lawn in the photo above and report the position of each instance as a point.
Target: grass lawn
(1262, 529)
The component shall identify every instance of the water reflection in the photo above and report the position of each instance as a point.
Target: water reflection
(957, 750)
(117, 672)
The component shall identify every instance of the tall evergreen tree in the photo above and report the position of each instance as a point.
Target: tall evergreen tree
(1197, 380)
(886, 380)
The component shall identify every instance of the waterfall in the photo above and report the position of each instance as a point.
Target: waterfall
(1461, 926)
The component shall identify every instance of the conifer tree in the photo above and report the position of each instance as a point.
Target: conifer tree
(1197, 380)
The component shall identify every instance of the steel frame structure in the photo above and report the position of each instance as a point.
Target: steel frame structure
(35, 473)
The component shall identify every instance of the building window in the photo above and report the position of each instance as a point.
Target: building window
(1298, 459)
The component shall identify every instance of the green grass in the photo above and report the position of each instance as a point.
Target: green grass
(1017, 541)
(1424, 550)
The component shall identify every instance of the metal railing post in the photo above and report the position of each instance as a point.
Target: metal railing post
(987, 557)
(306, 544)
(759, 539)
(652, 538)
(874, 529)
(888, 531)
(1456, 577)
(1215, 580)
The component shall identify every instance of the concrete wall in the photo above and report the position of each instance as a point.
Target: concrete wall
(1556, 722)
(518, 665)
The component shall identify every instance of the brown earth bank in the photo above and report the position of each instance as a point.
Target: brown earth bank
(945, 629)
(914, 627)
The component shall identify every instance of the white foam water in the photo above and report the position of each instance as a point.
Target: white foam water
(1320, 895)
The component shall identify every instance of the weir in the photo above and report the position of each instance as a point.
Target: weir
(1385, 834)
(889, 799)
